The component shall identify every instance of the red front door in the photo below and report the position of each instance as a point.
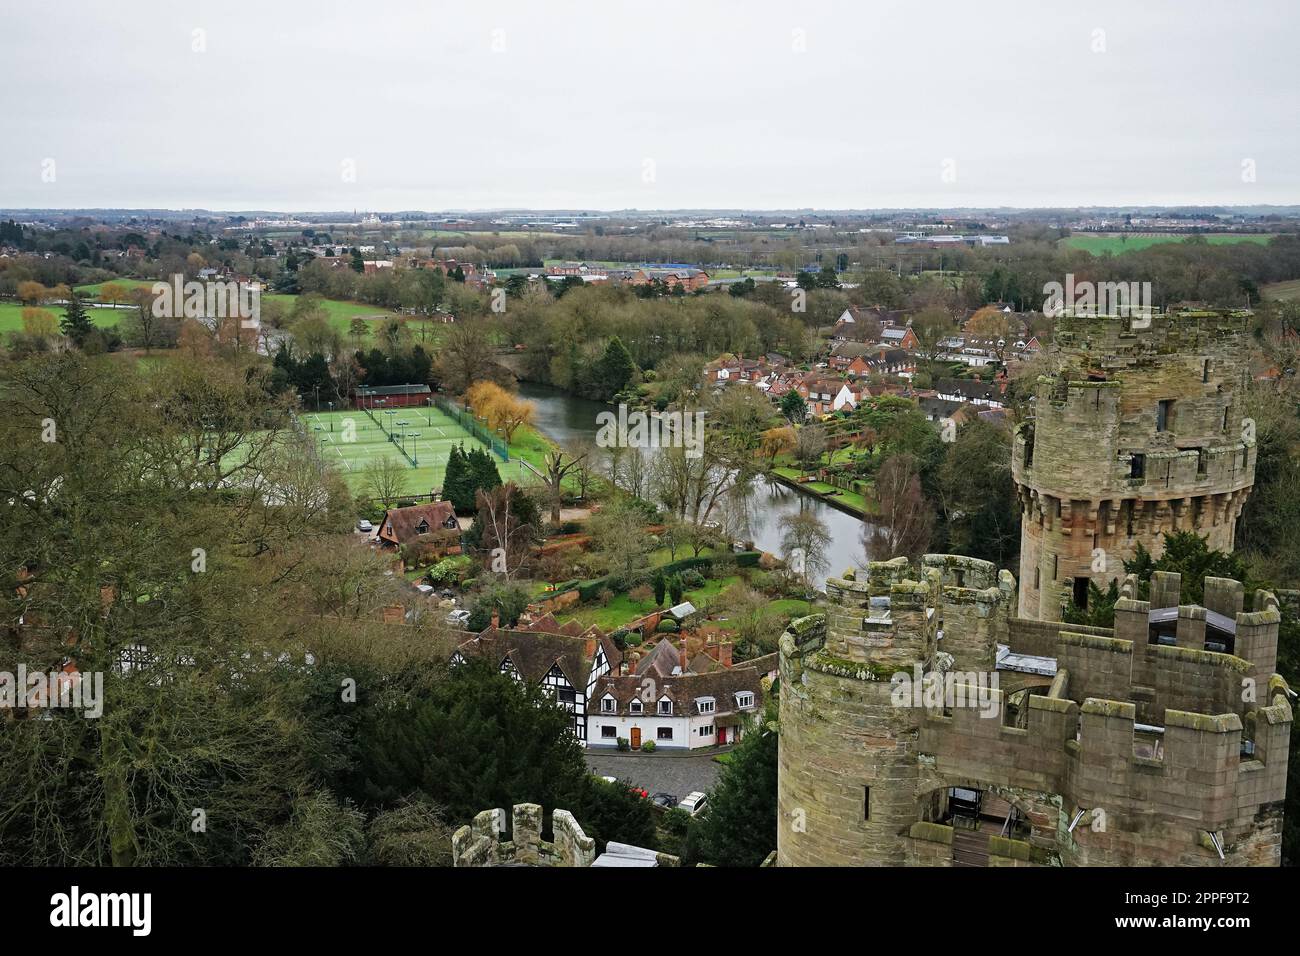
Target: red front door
(722, 735)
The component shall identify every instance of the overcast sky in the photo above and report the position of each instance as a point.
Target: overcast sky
(613, 105)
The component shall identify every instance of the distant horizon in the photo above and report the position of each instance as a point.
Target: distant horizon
(1240, 208)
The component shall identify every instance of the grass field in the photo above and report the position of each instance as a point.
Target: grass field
(11, 316)
(350, 451)
(1288, 291)
(1114, 243)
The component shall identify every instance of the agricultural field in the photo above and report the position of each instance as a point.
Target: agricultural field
(1288, 291)
(1115, 243)
(427, 435)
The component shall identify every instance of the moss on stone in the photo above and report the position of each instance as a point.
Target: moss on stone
(931, 832)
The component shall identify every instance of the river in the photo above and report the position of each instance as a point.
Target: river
(563, 418)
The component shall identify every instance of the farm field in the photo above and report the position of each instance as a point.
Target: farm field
(1115, 243)
(1288, 291)
(428, 449)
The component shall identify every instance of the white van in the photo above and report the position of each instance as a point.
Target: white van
(694, 803)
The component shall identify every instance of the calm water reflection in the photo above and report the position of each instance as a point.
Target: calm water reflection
(564, 418)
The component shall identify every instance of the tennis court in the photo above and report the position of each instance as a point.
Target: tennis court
(419, 438)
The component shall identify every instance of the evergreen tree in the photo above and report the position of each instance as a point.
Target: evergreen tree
(793, 407)
(457, 486)
(614, 370)
(483, 471)
(676, 590)
(75, 324)
(661, 587)
(740, 827)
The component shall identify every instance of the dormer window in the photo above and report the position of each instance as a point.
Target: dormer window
(705, 705)
(422, 527)
(608, 704)
(665, 707)
(450, 524)
(634, 707)
(744, 699)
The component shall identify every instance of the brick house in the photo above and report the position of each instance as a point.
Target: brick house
(406, 526)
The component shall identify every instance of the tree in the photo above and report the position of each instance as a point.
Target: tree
(614, 370)
(557, 465)
(906, 517)
(385, 479)
(660, 585)
(618, 538)
(676, 590)
(805, 539)
(740, 827)
(76, 325)
(978, 496)
(508, 599)
(477, 739)
(466, 356)
(506, 527)
(931, 326)
(794, 407)
(809, 445)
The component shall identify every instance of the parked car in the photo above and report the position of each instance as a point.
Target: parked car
(364, 526)
(665, 800)
(694, 803)
(458, 618)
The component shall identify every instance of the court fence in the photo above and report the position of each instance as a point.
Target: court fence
(465, 419)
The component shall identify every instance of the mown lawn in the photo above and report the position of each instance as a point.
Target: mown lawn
(11, 316)
(622, 610)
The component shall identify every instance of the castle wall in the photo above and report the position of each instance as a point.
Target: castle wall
(867, 756)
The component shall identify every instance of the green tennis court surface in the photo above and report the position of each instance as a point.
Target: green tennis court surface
(350, 441)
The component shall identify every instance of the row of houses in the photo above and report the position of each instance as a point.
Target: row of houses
(663, 694)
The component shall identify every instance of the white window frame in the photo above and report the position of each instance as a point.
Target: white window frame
(608, 705)
(634, 706)
(665, 707)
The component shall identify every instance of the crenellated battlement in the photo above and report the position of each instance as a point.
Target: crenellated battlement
(1139, 431)
(1118, 746)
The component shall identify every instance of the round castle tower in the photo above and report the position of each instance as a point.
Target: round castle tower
(849, 771)
(1139, 432)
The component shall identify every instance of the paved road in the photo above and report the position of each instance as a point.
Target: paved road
(658, 772)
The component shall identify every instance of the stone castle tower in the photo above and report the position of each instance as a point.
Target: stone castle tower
(1161, 741)
(1139, 431)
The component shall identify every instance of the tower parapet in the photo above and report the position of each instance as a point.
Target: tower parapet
(1163, 740)
(1140, 431)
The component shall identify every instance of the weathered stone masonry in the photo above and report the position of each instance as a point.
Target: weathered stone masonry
(1139, 432)
(1133, 752)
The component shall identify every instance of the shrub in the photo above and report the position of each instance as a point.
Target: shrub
(667, 626)
(642, 594)
(633, 639)
(648, 746)
(623, 744)
(604, 597)
(692, 579)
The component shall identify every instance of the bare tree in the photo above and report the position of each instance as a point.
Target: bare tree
(559, 464)
(385, 479)
(906, 517)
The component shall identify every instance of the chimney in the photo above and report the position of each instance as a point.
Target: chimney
(590, 648)
(683, 655)
(496, 618)
(724, 653)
